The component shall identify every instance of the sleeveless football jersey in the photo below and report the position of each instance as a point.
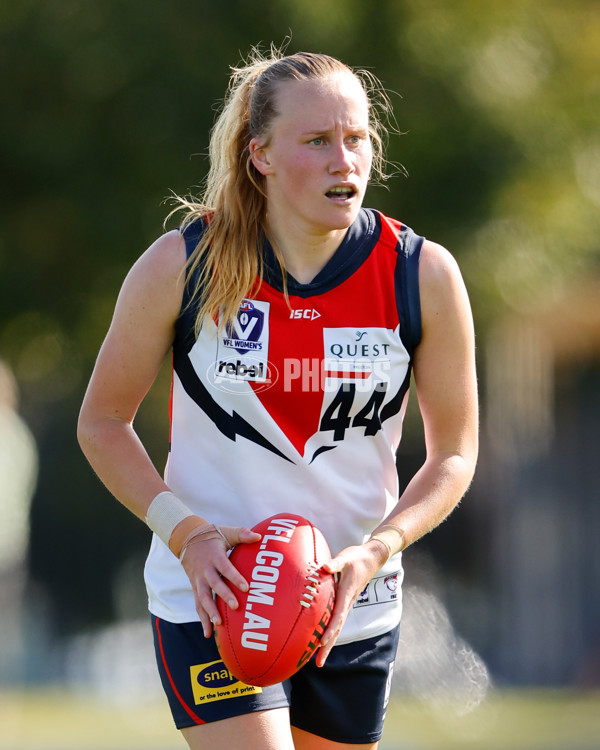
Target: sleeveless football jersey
(298, 406)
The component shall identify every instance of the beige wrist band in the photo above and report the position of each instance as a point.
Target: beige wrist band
(391, 536)
(165, 512)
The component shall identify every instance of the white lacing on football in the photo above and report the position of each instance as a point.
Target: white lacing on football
(311, 588)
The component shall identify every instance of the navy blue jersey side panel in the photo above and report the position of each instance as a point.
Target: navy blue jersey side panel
(184, 327)
(407, 288)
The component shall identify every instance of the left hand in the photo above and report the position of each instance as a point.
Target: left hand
(355, 567)
(209, 569)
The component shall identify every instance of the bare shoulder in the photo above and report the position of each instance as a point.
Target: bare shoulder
(437, 265)
(440, 282)
(156, 279)
(163, 262)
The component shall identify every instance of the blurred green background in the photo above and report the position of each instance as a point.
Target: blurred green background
(107, 107)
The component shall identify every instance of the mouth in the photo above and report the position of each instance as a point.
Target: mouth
(341, 193)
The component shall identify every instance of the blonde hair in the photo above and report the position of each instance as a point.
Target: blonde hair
(228, 260)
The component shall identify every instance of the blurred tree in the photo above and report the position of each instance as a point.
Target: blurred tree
(108, 107)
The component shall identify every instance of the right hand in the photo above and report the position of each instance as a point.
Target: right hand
(208, 567)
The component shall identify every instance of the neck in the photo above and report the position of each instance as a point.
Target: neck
(304, 254)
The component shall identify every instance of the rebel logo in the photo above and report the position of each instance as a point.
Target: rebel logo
(241, 370)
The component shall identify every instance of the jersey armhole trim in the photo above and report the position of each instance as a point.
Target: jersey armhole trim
(408, 299)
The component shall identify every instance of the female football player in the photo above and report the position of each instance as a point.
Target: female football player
(294, 317)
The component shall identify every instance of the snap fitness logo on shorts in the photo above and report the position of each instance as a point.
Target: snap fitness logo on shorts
(214, 682)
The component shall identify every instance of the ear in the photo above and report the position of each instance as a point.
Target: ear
(260, 156)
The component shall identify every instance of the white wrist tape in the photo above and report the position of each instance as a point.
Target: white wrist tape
(165, 512)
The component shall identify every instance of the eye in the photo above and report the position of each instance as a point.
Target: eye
(355, 140)
(318, 141)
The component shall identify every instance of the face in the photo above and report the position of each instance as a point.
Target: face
(317, 158)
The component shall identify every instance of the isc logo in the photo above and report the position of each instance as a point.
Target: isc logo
(308, 314)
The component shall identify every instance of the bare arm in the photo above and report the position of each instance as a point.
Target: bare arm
(445, 378)
(446, 384)
(140, 335)
(139, 338)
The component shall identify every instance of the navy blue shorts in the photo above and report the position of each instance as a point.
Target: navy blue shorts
(344, 701)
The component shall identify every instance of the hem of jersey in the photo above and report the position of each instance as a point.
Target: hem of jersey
(157, 608)
(170, 616)
(362, 635)
(375, 633)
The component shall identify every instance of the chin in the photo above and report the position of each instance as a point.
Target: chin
(342, 217)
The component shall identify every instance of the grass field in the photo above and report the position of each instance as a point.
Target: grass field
(54, 720)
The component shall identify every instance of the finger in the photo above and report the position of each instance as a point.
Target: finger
(205, 618)
(221, 589)
(247, 536)
(343, 603)
(336, 564)
(328, 641)
(323, 653)
(240, 535)
(233, 575)
(209, 612)
(212, 550)
(331, 567)
(206, 623)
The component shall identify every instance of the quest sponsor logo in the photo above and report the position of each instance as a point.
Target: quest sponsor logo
(359, 344)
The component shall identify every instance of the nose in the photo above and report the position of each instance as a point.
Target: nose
(341, 160)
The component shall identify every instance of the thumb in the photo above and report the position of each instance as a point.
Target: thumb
(339, 562)
(335, 565)
(240, 535)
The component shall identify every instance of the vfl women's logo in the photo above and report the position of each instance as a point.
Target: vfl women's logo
(244, 335)
(243, 352)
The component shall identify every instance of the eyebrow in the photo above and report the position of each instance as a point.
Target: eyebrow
(319, 131)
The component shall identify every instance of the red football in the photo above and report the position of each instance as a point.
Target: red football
(281, 619)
